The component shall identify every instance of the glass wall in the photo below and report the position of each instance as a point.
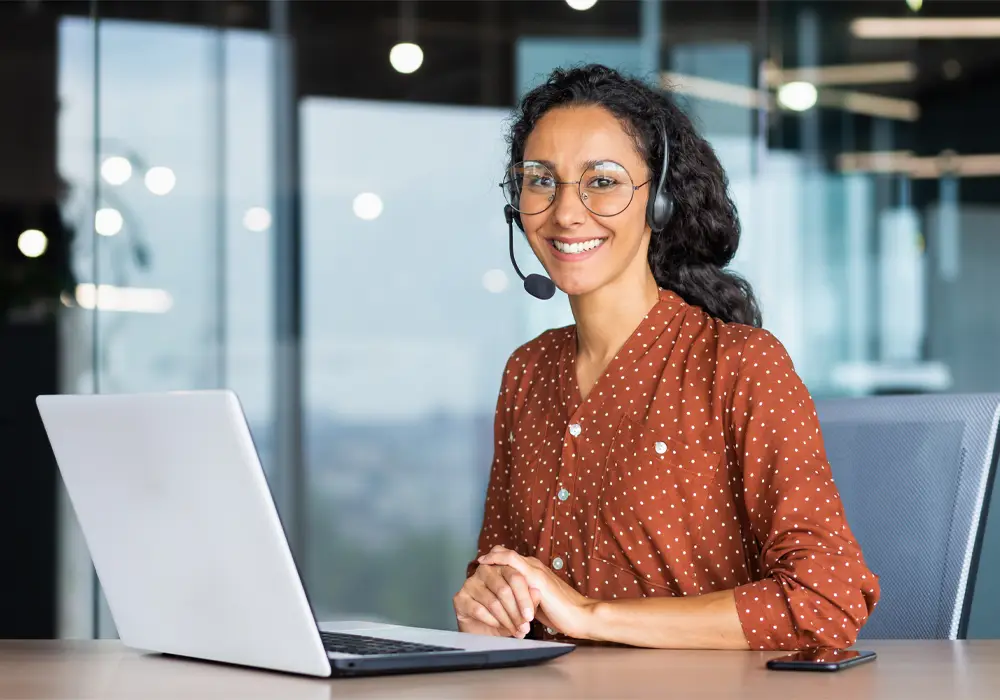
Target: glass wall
(269, 196)
(165, 147)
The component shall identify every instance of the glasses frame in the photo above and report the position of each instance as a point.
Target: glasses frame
(507, 186)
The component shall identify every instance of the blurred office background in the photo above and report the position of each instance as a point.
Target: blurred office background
(299, 201)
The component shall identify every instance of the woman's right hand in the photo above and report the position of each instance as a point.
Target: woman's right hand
(496, 601)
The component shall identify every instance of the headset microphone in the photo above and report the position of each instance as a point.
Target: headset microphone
(538, 286)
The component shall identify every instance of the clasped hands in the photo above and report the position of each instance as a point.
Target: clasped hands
(508, 591)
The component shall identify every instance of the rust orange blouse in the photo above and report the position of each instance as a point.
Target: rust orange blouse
(696, 464)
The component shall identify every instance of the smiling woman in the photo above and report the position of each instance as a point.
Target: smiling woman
(659, 478)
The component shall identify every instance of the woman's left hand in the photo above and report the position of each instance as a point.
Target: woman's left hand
(561, 607)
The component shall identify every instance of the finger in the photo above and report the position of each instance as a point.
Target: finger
(476, 627)
(519, 589)
(499, 555)
(508, 558)
(499, 600)
(474, 613)
(476, 618)
(536, 597)
(504, 591)
(481, 591)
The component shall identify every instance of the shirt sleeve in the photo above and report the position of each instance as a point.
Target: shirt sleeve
(495, 527)
(815, 588)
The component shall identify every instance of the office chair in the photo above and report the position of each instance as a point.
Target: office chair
(915, 473)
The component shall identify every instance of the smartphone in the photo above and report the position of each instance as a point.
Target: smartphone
(820, 660)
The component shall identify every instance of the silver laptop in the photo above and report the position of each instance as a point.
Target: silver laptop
(186, 540)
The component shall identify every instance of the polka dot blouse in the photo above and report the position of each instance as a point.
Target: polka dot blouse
(695, 464)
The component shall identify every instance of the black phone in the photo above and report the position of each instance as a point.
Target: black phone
(820, 660)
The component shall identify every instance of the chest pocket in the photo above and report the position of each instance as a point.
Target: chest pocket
(653, 500)
(534, 463)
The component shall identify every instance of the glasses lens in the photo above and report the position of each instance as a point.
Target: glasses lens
(606, 189)
(531, 188)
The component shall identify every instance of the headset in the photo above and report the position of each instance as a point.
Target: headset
(659, 210)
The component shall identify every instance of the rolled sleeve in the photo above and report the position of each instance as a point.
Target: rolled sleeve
(814, 588)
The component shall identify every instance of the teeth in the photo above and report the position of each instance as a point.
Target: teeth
(578, 247)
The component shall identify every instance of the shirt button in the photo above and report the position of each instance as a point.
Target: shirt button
(550, 630)
(557, 563)
(563, 494)
(660, 447)
(575, 429)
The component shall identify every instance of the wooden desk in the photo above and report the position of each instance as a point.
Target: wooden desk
(917, 669)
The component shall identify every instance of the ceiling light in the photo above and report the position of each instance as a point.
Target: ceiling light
(160, 180)
(874, 161)
(107, 297)
(495, 281)
(716, 90)
(846, 74)
(752, 98)
(926, 28)
(116, 170)
(108, 221)
(581, 4)
(871, 105)
(32, 243)
(406, 57)
(798, 95)
(257, 219)
(921, 167)
(367, 206)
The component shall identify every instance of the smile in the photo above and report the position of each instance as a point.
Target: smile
(578, 247)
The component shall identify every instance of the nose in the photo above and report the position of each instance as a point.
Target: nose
(568, 210)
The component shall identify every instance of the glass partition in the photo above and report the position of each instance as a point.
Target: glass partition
(165, 149)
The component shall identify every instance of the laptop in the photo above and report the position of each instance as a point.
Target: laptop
(186, 541)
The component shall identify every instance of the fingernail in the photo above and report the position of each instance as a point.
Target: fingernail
(528, 614)
(525, 628)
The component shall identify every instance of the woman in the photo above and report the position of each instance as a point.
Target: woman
(659, 477)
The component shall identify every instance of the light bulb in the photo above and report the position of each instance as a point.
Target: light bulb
(32, 243)
(108, 221)
(367, 206)
(406, 57)
(257, 219)
(797, 96)
(160, 180)
(116, 170)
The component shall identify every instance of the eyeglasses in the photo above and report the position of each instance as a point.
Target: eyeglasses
(605, 187)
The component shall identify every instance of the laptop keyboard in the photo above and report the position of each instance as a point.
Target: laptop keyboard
(368, 646)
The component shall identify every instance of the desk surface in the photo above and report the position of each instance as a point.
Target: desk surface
(904, 669)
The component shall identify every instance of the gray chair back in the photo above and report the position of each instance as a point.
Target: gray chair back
(915, 473)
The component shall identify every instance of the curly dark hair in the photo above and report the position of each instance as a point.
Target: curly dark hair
(689, 255)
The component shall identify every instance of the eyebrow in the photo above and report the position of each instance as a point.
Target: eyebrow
(586, 164)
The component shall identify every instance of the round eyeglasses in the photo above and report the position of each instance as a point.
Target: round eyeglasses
(605, 187)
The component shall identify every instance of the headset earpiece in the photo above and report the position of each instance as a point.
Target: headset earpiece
(660, 206)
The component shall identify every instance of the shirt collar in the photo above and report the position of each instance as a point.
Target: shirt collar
(645, 335)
